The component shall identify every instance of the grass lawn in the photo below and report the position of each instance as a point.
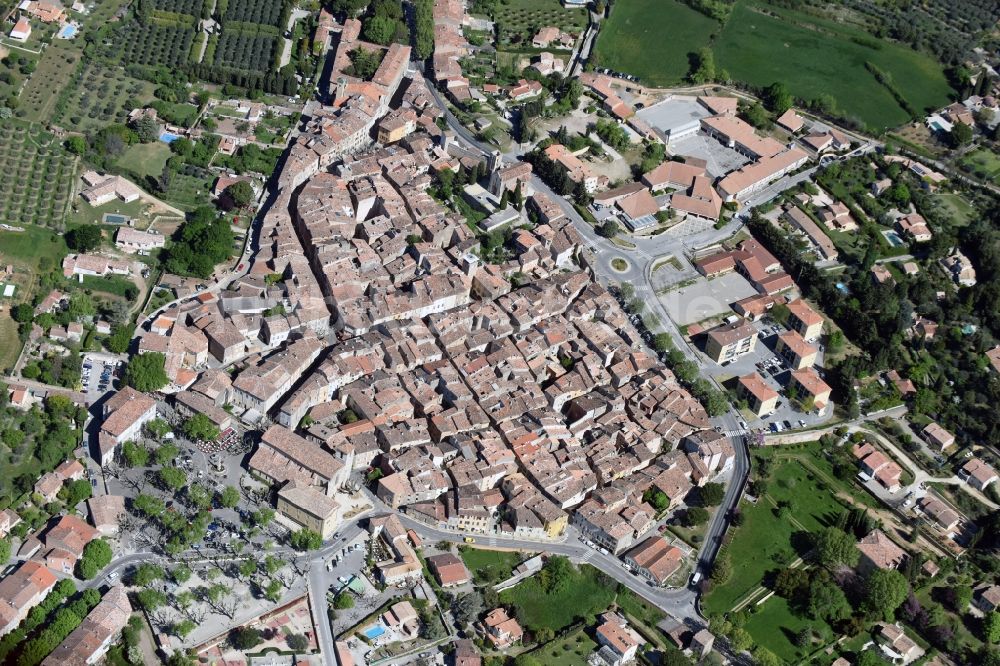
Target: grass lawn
(145, 159)
(983, 163)
(10, 344)
(774, 626)
(814, 56)
(188, 192)
(570, 650)
(502, 562)
(111, 284)
(87, 214)
(652, 39)
(583, 595)
(957, 208)
(30, 245)
(766, 542)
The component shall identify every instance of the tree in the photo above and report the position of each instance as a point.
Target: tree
(200, 427)
(467, 607)
(135, 455)
(961, 135)
(297, 642)
(871, 658)
(711, 494)
(145, 372)
(245, 638)
(777, 98)
(826, 601)
(306, 539)
(835, 547)
(4, 550)
(147, 129)
(172, 477)
(146, 573)
(181, 574)
(695, 516)
(183, 628)
(991, 627)
(229, 497)
(703, 70)
(722, 568)
(764, 657)
(166, 454)
(609, 229)
(885, 592)
(96, 555)
(241, 194)
(343, 601)
(84, 238)
(556, 573)
(119, 340)
(76, 145)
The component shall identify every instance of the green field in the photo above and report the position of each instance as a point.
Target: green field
(494, 564)
(570, 650)
(652, 39)
(957, 208)
(812, 55)
(983, 163)
(582, 596)
(10, 343)
(766, 541)
(774, 625)
(145, 159)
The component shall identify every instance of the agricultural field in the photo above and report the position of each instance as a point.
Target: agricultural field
(815, 57)
(52, 77)
(15, 68)
(151, 44)
(264, 12)
(243, 50)
(518, 20)
(101, 97)
(40, 175)
(652, 39)
(812, 55)
(982, 163)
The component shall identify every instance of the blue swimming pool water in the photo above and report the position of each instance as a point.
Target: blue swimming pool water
(893, 238)
(374, 631)
(114, 218)
(843, 287)
(68, 31)
(169, 137)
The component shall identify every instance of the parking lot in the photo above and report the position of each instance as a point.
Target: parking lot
(701, 298)
(100, 374)
(776, 374)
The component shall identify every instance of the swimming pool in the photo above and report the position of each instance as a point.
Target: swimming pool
(68, 31)
(115, 218)
(893, 238)
(169, 137)
(374, 631)
(843, 288)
